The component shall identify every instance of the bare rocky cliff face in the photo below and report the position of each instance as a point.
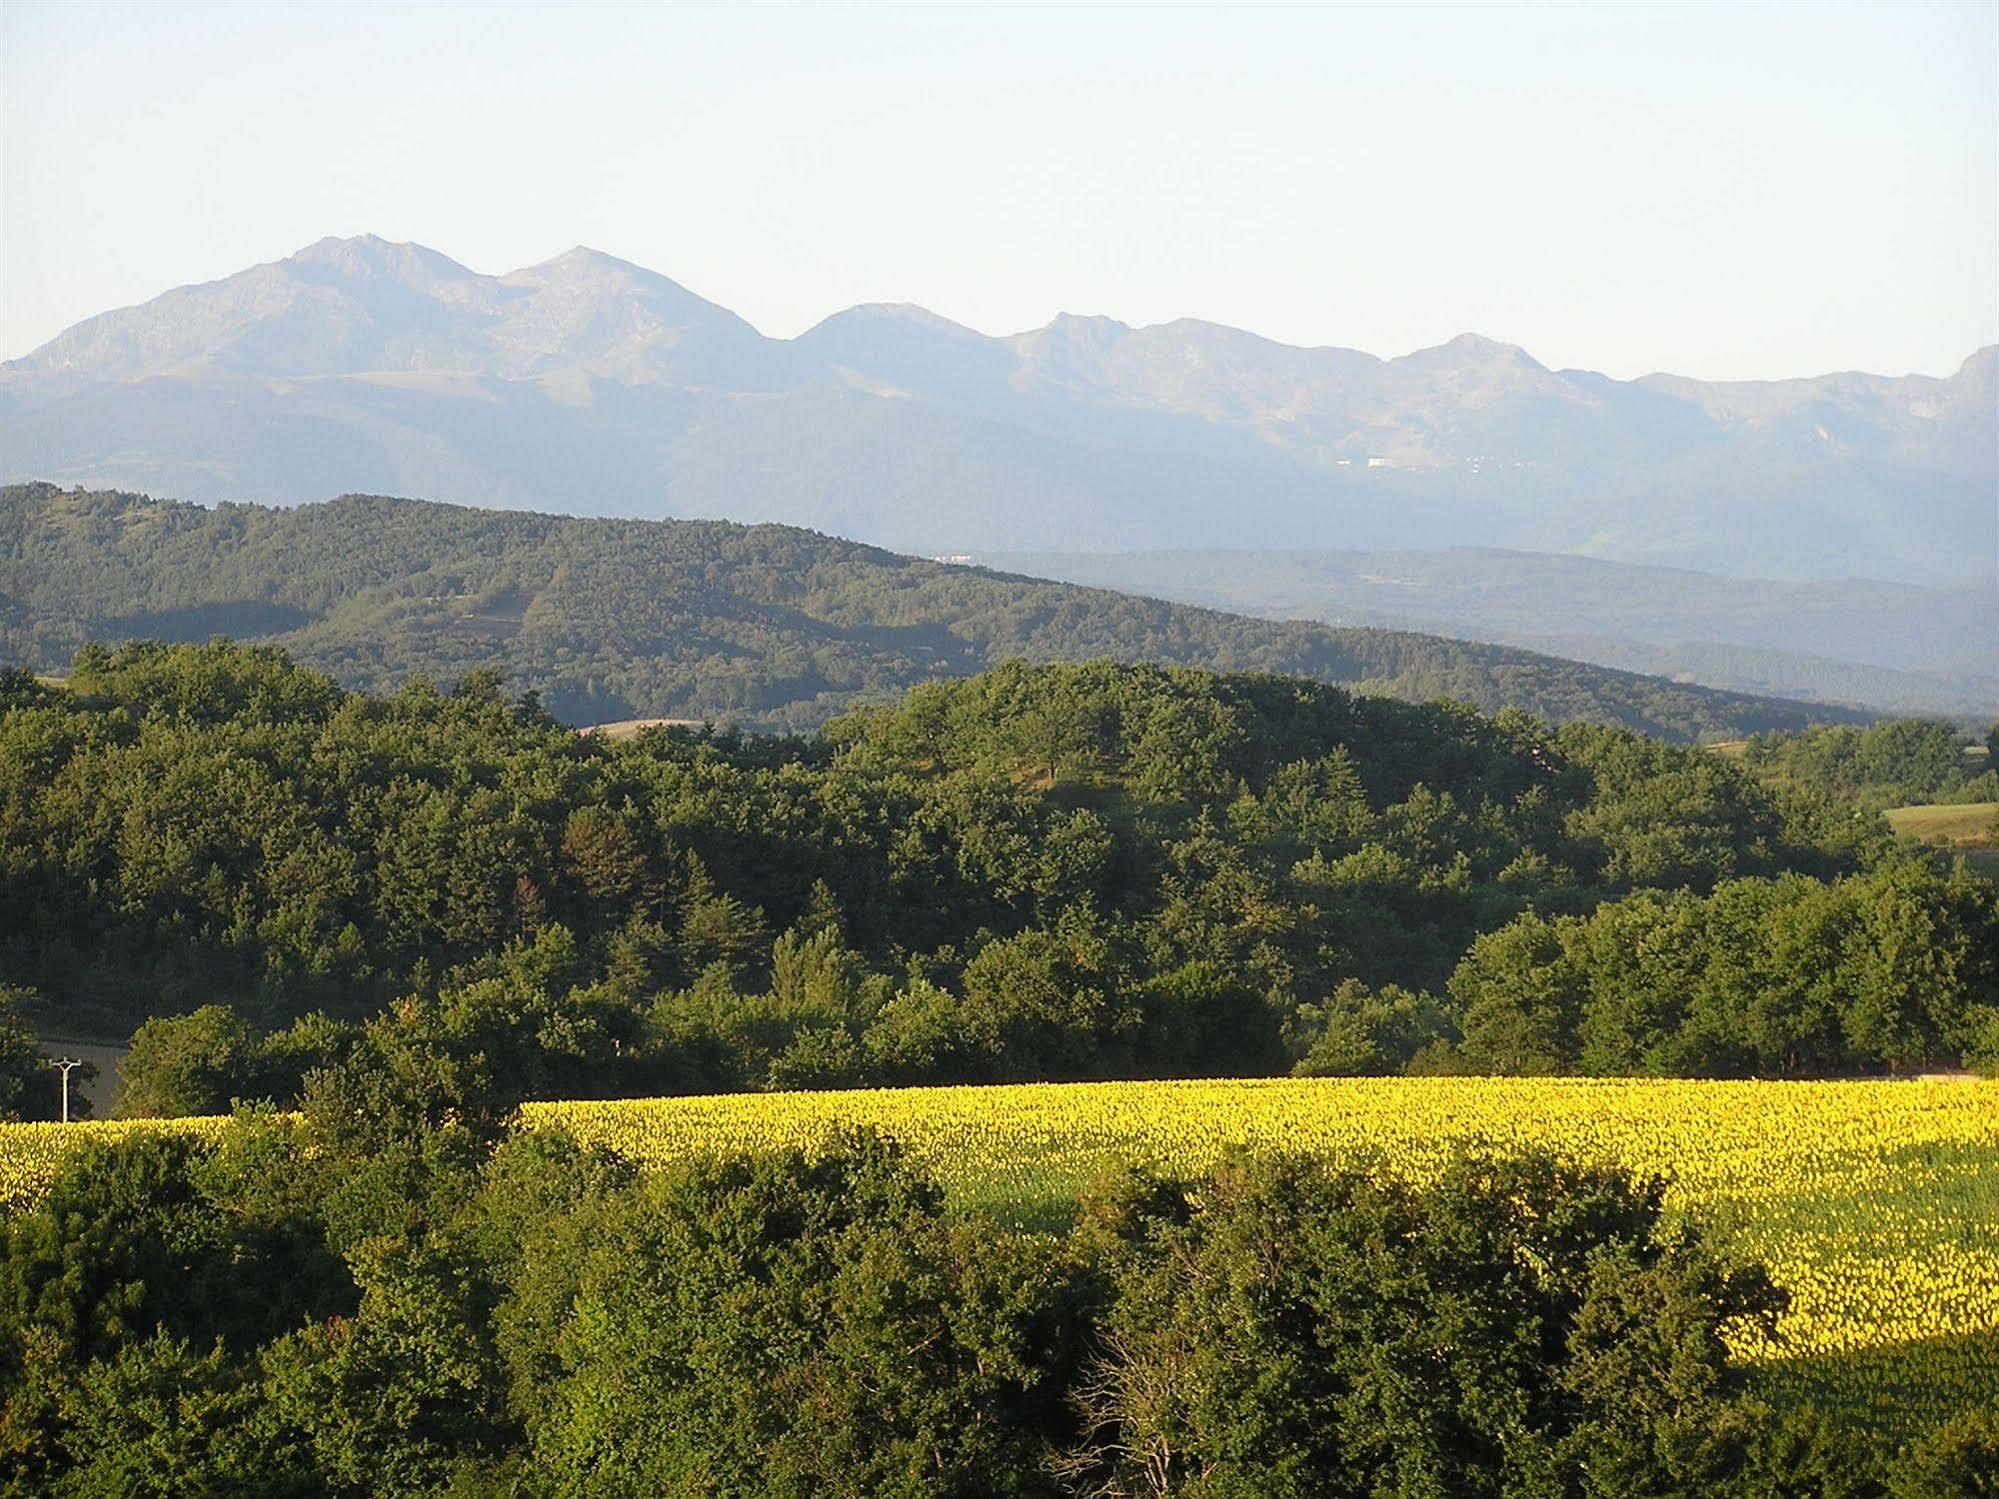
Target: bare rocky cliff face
(591, 385)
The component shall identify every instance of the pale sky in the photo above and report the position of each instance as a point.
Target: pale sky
(1723, 192)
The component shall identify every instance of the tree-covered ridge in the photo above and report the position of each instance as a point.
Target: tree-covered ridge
(760, 625)
(1040, 872)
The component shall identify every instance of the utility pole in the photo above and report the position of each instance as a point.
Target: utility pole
(65, 1065)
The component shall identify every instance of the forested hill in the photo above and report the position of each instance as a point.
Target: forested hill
(1031, 874)
(759, 625)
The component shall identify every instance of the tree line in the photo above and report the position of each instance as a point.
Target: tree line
(1896, 762)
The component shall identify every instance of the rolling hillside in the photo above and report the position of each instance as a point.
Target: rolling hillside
(759, 625)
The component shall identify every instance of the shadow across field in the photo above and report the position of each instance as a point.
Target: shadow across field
(1897, 1390)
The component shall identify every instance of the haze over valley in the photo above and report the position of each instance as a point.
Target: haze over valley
(1898, 647)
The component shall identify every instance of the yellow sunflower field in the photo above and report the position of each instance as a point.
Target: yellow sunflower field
(1874, 1204)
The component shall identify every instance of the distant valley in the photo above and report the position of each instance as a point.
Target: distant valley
(1896, 647)
(588, 385)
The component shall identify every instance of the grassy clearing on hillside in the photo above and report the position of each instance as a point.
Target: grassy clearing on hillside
(1971, 829)
(1974, 824)
(630, 728)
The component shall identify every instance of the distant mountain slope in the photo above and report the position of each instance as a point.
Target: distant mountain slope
(589, 385)
(1895, 647)
(622, 619)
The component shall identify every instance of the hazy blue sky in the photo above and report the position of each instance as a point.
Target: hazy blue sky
(1722, 192)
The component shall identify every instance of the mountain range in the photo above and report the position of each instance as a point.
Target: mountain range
(588, 385)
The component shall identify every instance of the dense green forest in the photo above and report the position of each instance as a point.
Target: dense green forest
(1040, 872)
(769, 626)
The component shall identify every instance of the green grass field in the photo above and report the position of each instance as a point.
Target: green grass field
(1972, 824)
(1970, 829)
